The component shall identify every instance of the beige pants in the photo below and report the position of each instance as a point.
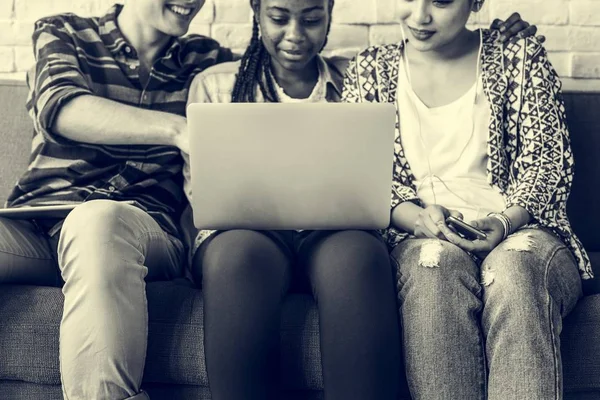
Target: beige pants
(106, 252)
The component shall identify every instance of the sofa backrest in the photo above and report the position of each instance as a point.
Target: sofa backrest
(583, 118)
(16, 132)
(583, 113)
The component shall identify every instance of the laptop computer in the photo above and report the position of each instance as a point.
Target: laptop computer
(291, 166)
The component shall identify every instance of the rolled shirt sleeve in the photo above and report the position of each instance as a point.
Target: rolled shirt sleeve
(55, 78)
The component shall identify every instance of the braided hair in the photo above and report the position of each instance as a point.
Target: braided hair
(477, 5)
(256, 64)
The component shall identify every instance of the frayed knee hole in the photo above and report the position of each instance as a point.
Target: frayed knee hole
(519, 242)
(488, 275)
(431, 252)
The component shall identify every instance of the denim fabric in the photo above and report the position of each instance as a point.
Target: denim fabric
(488, 331)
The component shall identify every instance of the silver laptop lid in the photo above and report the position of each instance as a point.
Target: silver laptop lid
(291, 166)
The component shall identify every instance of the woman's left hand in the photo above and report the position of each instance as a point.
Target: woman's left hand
(494, 231)
(514, 28)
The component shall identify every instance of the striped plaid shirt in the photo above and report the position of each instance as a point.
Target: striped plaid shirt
(89, 56)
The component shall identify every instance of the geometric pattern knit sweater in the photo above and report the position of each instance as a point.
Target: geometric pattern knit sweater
(529, 154)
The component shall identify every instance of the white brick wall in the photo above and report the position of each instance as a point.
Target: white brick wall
(572, 27)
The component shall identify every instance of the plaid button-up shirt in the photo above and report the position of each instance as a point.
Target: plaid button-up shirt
(89, 56)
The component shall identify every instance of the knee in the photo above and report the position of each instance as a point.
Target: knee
(351, 255)
(518, 263)
(242, 256)
(90, 237)
(435, 265)
(97, 218)
(515, 270)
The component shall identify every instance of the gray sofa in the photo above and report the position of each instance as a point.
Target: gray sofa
(30, 316)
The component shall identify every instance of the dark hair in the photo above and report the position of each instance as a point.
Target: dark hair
(256, 64)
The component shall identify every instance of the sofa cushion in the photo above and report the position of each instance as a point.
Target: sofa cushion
(583, 208)
(31, 316)
(13, 390)
(580, 342)
(583, 117)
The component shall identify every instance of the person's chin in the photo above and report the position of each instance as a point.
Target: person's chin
(293, 65)
(178, 25)
(424, 46)
(293, 61)
(176, 30)
(423, 40)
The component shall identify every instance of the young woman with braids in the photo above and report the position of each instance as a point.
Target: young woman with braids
(246, 274)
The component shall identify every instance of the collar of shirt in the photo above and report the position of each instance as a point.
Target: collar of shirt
(331, 71)
(333, 77)
(216, 84)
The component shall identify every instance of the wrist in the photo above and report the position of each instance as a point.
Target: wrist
(405, 215)
(176, 132)
(504, 221)
(518, 215)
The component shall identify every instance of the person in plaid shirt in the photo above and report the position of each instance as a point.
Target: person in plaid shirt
(107, 98)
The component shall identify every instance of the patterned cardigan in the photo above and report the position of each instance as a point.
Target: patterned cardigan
(529, 155)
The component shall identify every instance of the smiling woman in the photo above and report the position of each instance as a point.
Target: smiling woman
(494, 303)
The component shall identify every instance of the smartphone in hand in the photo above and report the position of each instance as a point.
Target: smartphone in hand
(465, 230)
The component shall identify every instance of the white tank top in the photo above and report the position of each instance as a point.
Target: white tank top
(449, 160)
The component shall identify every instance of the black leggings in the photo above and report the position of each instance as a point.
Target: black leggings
(245, 277)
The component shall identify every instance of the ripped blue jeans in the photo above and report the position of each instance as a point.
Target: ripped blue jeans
(489, 331)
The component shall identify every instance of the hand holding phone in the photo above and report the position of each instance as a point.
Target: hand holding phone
(465, 230)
